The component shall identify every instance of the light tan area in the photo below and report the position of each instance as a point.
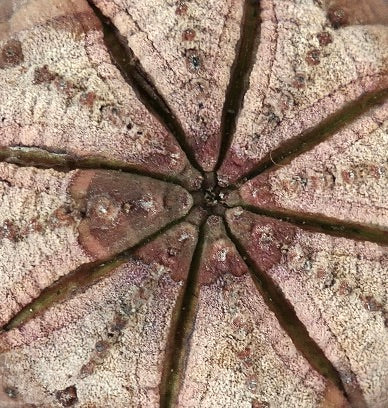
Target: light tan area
(338, 289)
(187, 48)
(341, 296)
(20, 15)
(38, 234)
(296, 81)
(162, 326)
(239, 355)
(345, 177)
(362, 11)
(108, 343)
(65, 95)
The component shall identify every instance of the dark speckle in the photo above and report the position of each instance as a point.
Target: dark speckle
(68, 396)
(43, 75)
(324, 38)
(268, 111)
(11, 54)
(371, 304)
(313, 57)
(9, 231)
(273, 118)
(181, 8)
(118, 323)
(259, 404)
(87, 99)
(194, 61)
(337, 17)
(172, 251)
(102, 346)
(65, 86)
(87, 369)
(299, 81)
(188, 35)
(11, 392)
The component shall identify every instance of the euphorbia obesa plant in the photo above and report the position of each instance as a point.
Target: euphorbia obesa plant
(194, 205)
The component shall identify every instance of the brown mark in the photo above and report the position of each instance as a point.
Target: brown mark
(313, 57)
(11, 54)
(188, 34)
(324, 38)
(68, 396)
(181, 8)
(43, 75)
(337, 17)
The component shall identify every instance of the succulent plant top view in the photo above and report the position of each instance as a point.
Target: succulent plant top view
(193, 203)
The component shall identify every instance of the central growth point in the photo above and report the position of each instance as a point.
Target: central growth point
(211, 197)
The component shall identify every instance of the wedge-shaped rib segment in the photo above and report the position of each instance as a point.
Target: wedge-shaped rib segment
(60, 91)
(344, 177)
(53, 222)
(344, 12)
(38, 234)
(337, 288)
(239, 355)
(105, 346)
(187, 49)
(306, 70)
(121, 209)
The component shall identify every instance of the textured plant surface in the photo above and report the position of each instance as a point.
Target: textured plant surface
(194, 207)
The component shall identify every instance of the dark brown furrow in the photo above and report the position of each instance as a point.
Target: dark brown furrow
(24, 156)
(287, 318)
(134, 74)
(323, 131)
(180, 331)
(78, 281)
(326, 225)
(240, 73)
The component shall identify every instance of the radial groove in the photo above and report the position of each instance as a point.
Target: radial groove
(24, 156)
(241, 106)
(240, 71)
(73, 99)
(287, 317)
(180, 331)
(66, 286)
(324, 224)
(130, 68)
(323, 131)
(78, 281)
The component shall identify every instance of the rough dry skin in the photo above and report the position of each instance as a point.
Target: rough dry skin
(38, 235)
(305, 70)
(51, 223)
(337, 287)
(69, 97)
(128, 130)
(111, 334)
(192, 44)
(344, 177)
(108, 343)
(238, 346)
